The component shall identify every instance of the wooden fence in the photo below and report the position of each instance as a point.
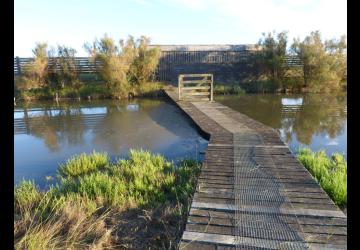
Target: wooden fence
(171, 62)
(196, 87)
(80, 64)
(219, 63)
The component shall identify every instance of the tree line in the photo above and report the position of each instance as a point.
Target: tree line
(127, 66)
(324, 63)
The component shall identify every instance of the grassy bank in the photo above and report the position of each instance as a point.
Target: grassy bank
(331, 173)
(228, 89)
(136, 203)
(94, 90)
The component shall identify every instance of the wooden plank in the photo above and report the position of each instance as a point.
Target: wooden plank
(302, 220)
(198, 93)
(196, 75)
(196, 88)
(189, 237)
(209, 238)
(199, 82)
(285, 211)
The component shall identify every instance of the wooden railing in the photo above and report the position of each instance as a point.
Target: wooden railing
(196, 87)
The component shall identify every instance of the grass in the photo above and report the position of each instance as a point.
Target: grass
(228, 89)
(149, 89)
(137, 203)
(330, 172)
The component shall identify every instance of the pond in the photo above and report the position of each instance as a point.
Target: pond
(316, 121)
(47, 133)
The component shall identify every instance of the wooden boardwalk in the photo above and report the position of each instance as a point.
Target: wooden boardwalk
(252, 192)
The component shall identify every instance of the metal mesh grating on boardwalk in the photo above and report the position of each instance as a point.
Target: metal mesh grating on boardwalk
(252, 193)
(247, 171)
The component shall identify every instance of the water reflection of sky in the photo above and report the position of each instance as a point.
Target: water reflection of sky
(50, 135)
(93, 111)
(291, 101)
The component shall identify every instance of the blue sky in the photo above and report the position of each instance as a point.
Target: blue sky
(74, 22)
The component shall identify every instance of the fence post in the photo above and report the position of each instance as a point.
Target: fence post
(18, 65)
(211, 87)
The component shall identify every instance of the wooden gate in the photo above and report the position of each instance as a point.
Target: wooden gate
(196, 87)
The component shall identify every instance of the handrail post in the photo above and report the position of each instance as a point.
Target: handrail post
(179, 85)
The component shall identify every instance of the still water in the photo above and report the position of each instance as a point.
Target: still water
(316, 121)
(47, 133)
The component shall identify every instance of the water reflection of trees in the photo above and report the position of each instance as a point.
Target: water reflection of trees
(56, 125)
(318, 114)
(67, 123)
(116, 131)
(157, 124)
(264, 108)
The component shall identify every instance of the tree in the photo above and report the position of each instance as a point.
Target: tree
(36, 72)
(115, 60)
(272, 56)
(324, 64)
(145, 62)
(126, 66)
(65, 68)
(337, 51)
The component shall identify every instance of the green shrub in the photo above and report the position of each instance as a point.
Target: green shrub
(83, 163)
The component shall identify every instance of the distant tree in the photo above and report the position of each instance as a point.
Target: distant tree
(125, 66)
(145, 62)
(337, 51)
(35, 73)
(272, 56)
(65, 68)
(115, 60)
(324, 63)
